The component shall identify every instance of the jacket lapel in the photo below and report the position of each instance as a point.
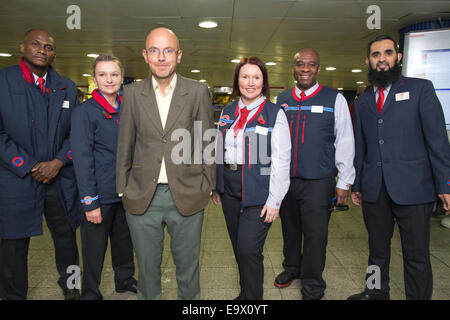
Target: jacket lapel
(370, 100)
(176, 105)
(390, 100)
(56, 98)
(150, 104)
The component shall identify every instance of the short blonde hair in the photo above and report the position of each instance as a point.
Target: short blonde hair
(107, 57)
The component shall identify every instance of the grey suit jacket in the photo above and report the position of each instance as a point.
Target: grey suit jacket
(142, 143)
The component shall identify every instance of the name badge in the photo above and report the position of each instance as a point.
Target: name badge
(402, 96)
(66, 104)
(317, 109)
(262, 130)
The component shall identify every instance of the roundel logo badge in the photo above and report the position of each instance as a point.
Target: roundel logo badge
(284, 105)
(17, 161)
(69, 154)
(223, 120)
(88, 200)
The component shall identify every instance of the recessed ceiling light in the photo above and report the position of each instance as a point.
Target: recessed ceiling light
(356, 70)
(5, 54)
(92, 55)
(271, 63)
(202, 80)
(207, 24)
(359, 82)
(340, 88)
(195, 71)
(86, 75)
(330, 68)
(137, 80)
(236, 60)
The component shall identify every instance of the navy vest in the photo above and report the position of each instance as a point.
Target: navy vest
(257, 152)
(311, 123)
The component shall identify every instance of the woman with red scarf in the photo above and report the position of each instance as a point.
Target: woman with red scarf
(94, 142)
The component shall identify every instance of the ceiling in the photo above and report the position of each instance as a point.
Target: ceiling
(273, 30)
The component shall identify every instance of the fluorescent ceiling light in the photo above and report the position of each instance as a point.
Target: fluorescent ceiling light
(202, 80)
(359, 82)
(330, 68)
(340, 88)
(5, 54)
(92, 55)
(270, 63)
(356, 70)
(195, 71)
(207, 24)
(86, 75)
(236, 60)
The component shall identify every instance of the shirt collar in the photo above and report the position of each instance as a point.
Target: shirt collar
(170, 87)
(307, 92)
(252, 105)
(386, 89)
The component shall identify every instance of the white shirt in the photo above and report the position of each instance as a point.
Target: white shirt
(280, 156)
(344, 142)
(163, 101)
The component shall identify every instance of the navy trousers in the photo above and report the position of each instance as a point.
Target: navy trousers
(248, 232)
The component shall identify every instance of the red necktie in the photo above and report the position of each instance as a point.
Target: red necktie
(241, 122)
(41, 84)
(380, 100)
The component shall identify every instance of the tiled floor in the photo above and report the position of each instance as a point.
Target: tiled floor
(344, 272)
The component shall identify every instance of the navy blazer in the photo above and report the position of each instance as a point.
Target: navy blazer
(407, 144)
(93, 138)
(30, 133)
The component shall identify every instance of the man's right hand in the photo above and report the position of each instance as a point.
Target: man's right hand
(216, 198)
(357, 198)
(94, 216)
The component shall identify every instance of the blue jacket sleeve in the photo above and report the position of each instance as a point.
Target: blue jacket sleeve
(360, 147)
(65, 153)
(12, 156)
(82, 143)
(433, 124)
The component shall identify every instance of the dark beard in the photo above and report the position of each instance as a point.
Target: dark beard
(382, 79)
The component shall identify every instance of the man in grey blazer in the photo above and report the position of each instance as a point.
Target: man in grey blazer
(157, 189)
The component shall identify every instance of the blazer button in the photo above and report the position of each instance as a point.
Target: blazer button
(164, 140)
(380, 121)
(381, 141)
(378, 164)
(154, 180)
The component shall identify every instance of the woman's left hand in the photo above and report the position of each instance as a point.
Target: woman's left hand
(271, 214)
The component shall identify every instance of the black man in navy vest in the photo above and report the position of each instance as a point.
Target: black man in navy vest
(36, 172)
(402, 164)
(322, 141)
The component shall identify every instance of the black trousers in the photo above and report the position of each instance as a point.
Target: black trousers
(304, 217)
(414, 228)
(14, 252)
(248, 232)
(94, 241)
(14, 268)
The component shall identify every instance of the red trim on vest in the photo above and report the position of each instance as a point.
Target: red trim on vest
(303, 129)
(296, 97)
(103, 102)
